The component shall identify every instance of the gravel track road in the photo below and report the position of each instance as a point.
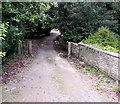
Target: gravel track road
(52, 79)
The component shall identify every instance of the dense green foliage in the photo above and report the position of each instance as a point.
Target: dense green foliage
(3, 31)
(25, 20)
(104, 38)
(78, 20)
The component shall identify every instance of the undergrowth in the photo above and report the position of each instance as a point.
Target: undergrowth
(104, 38)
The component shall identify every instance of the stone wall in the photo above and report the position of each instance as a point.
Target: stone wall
(108, 62)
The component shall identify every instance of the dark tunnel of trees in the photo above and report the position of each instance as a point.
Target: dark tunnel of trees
(76, 21)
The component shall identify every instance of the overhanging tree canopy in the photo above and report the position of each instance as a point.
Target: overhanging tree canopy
(76, 21)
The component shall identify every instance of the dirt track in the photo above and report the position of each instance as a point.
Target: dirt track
(52, 79)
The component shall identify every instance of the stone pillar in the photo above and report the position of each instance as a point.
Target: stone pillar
(69, 49)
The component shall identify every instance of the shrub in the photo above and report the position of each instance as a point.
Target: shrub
(87, 68)
(103, 78)
(3, 31)
(105, 38)
(117, 88)
(92, 70)
(109, 48)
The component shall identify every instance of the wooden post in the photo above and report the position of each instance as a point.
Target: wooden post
(23, 47)
(27, 46)
(69, 49)
(30, 47)
(19, 48)
(79, 50)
